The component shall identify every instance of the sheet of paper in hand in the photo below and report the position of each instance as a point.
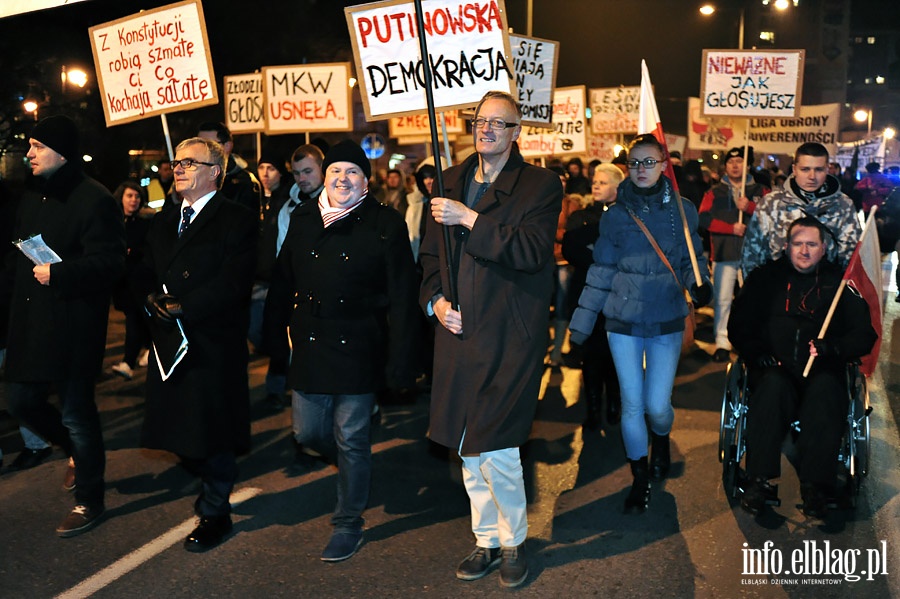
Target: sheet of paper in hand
(37, 250)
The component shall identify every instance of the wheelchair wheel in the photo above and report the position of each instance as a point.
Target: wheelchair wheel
(856, 446)
(731, 427)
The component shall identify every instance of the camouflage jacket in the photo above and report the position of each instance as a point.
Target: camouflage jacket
(766, 234)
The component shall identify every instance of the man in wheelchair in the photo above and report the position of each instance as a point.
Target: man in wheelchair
(774, 325)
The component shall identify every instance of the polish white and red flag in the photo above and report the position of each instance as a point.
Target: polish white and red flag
(863, 276)
(648, 119)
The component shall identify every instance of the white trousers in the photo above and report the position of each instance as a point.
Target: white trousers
(496, 491)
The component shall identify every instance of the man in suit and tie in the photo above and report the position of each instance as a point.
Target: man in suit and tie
(200, 265)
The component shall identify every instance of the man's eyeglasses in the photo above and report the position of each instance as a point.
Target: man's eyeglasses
(647, 163)
(496, 124)
(189, 164)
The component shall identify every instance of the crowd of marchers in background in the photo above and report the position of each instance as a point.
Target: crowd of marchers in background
(364, 288)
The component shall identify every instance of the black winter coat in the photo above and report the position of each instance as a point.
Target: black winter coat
(58, 331)
(779, 310)
(204, 407)
(349, 293)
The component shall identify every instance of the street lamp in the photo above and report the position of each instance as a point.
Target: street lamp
(74, 76)
(709, 9)
(889, 133)
(863, 116)
(30, 106)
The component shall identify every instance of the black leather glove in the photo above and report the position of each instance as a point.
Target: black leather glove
(766, 361)
(702, 295)
(826, 348)
(163, 307)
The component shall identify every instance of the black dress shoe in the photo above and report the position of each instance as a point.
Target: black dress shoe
(721, 355)
(29, 458)
(210, 532)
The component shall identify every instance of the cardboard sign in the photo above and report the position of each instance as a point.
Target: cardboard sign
(245, 103)
(153, 62)
(748, 83)
(818, 123)
(615, 109)
(569, 132)
(308, 97)
(418, 125)
(601, 147)
(468, 49)
(534, 63)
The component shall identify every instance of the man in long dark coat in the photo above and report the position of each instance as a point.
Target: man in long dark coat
(200, 263)
(489, 349)
(57, 326)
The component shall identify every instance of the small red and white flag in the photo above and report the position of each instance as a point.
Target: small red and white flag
(648, 119)
(863, 276)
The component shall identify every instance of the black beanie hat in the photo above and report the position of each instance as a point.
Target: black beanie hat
(348, 151)
(58, 133)
(270, 156)
(739, 153)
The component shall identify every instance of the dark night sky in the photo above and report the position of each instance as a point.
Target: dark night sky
(603, 42)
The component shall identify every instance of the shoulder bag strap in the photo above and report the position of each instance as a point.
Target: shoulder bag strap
(656, 247)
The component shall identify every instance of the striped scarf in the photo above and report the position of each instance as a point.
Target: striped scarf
(332, 215)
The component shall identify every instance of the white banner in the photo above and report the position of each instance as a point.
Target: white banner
(153, 62)
(748, 83)
(615, 109)
(815, 123)
(308, 97)
(245, 103)
(569, 132)
(534, 62)
(468, 46)
(601, 146)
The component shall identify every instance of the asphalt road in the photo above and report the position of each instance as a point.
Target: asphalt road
(691, 543)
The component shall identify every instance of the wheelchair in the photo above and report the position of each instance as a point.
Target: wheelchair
(853, 456)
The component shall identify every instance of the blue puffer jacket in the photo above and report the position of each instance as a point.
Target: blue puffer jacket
(628, 282)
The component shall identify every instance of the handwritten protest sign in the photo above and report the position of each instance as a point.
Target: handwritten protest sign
(748, 83)
(569, 132)
(602, 146)
(813, 123)
(308, 97)
(468, 52)
(534, 63)
(244, 103)
(418, 126)
(154, 62)
(615, 109)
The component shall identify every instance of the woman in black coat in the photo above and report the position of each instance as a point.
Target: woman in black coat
(131, 197)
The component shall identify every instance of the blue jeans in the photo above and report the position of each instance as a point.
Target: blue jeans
(32, 441)
(77, 430)
(645, 390)
(725, 276)
(338, 426)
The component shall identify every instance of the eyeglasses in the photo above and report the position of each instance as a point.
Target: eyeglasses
(496, 124)
(188, 164)
(647, 163)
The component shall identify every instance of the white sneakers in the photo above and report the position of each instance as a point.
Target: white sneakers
(123, 370)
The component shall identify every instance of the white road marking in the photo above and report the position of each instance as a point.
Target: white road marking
(137, 557)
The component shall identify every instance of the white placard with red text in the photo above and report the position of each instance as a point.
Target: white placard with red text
(569, 132)
(308, 97)
(615, 109)
(749, 83)
(419, 125)
(468, 46)
(154, 62)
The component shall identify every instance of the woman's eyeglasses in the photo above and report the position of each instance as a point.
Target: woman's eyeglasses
(647, 163)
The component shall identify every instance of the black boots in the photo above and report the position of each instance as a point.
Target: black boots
(639, 497)
(660, 460)
(757, 493)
